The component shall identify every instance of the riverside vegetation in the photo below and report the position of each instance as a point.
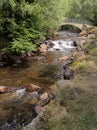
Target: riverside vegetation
(75, 105)
(26, 23)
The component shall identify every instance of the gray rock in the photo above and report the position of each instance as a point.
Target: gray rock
(68, 74)
(33, 124)
(91, 36)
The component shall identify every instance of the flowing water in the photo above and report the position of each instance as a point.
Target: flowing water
(40, 70)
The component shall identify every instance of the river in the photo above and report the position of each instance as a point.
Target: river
(41, 70)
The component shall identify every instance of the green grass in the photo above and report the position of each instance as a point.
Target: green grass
(81, 122)
(91, 49)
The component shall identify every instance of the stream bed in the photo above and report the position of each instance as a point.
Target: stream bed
(41, 70)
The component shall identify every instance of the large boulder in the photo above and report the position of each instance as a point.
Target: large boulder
(83, 33)
(5, 89)
(42, 48)
(91, 36)
(50, 45)
(44, 99)
(81, 44)
(31, 88)
(79, 56)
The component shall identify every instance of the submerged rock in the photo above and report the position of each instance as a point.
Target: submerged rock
(20, 92)
(63, 58)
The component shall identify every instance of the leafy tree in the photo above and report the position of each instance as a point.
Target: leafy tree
(84, 9)
(28, 20)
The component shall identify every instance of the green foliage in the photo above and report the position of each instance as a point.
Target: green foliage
(29, 20)
(19, 46)
(84, 9)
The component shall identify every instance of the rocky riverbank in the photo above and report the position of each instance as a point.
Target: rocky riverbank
(74, 107)
(47, 67)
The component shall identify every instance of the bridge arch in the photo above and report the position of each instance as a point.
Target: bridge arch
(70, 27)
(79, 23)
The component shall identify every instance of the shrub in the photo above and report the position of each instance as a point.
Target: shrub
(80, 66)
(19, 46)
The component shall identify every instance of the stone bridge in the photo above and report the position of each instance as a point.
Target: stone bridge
(79, 23)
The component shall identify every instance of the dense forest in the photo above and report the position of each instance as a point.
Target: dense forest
(24, 22)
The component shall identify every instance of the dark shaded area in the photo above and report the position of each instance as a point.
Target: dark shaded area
(20, 116)
(70, 28)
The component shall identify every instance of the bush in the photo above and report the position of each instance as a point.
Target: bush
(19, 46)
(80, 66)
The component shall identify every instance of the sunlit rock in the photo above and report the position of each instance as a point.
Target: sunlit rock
(5, 89)
(44, 99)
(31, 88)
(83, 33)
(42, 48)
